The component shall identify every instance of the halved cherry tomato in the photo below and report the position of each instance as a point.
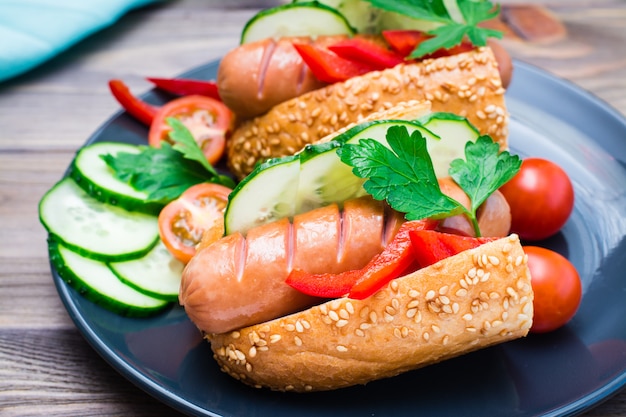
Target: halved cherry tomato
(183, 222)
(557, 289)
(208, 120)
(541, 197)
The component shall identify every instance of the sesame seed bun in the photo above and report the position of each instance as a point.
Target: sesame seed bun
(466, 302)
(467, 84)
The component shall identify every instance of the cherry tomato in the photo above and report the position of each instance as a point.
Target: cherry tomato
(557, 289)
(199, 210)
(541, 197)
(208, 120)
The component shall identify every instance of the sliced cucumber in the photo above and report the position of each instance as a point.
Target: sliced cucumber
(157, 274)
(94, 176)
(392, 20)
(96, 282)
(267, 194)
(95, 229)
(361, 14)
(324, 179)
(313, 178)
(455, 131)
(296, 19)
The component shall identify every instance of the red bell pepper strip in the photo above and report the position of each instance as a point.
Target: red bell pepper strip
(394, 260)
(136, 107)
(323, 285)
(329, 67)
(404, 41)
(368, 52)
(430, 246)
(186, 87)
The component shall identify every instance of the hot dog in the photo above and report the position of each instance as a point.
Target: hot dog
(221, 284)
(469, 301)
(467, 84)
(254, 77)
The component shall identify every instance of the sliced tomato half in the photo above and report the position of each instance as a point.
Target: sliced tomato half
(208, 120)
(183, 222)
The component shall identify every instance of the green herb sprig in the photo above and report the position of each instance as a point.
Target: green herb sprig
(165, 172)
(449, 32)
(403, 174)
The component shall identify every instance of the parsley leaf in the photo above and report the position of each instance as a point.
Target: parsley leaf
(484, 169)
(450, 32)
(165, 172)
(403, 174)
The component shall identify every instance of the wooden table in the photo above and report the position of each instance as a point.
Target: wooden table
(46, 367)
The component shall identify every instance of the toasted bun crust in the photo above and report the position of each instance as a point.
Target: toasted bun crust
(467, 84)
(469, 301)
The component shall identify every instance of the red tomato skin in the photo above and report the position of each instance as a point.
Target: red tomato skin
(541, 197)
(200, 218)
(183, 107)
(557, 289)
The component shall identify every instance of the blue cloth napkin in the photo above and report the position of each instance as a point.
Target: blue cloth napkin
(33, 31)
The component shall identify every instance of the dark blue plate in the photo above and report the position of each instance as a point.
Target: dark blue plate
(562, 373)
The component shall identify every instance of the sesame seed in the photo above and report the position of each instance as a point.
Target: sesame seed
(426, 336)
(299, 327)
(275, 338)
(414, 293)
(341, 323)
(467, 317)
(333, 315)
(343, 313)
(349, 307)
(418, 317)
(297, 341)
(410, 313)
(359, 332)
(430, 295)
(461, 292)
(341, 348)
(388, 317)
(373, 317)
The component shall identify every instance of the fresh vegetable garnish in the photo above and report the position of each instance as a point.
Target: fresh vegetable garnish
(208, 120)
(556, 286)
(136, 107)
(452, 30)
(186, 86)
(166, 172)
(551, 191)
(404, 176)
(183, 222)
(397, 258)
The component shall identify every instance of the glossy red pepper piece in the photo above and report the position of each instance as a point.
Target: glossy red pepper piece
(404, 41)
(393, 261)
(323, 285)
(186, 87)
(430, 246)
(136, 107)
(368, 52)
(329, 67)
